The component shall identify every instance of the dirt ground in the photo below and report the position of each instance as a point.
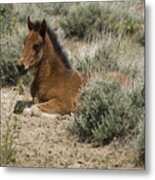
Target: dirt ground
(45, 142)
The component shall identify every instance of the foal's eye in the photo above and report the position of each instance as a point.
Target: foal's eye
(36, 47)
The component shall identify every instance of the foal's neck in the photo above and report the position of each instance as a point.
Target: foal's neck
(52, 57)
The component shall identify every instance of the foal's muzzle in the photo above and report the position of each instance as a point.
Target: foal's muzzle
(21, 69)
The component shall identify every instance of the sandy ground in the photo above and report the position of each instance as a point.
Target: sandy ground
(45, 142)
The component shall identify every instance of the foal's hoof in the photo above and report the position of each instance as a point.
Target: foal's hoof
(27, 112)
(21, 105)
(33, 111)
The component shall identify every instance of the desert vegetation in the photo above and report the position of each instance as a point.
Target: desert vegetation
(97, 37)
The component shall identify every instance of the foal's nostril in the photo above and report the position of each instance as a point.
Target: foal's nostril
(21, 68)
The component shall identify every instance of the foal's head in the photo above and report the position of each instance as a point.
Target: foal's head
(33, 46)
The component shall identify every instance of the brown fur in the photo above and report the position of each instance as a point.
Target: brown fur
(55, 86)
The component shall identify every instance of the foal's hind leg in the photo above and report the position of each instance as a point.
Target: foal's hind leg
(53, 106)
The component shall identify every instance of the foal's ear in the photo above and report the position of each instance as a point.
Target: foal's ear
(43, 28)
(29, 23)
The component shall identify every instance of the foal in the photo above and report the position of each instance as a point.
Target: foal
(55, 85)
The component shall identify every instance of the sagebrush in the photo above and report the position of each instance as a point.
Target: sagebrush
(90, 19)
(107, 111)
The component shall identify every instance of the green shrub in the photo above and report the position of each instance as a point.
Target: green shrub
(140, 37)
(8, 69)
(12, 35)
(120, 21)
(139, 132)
(89, 19)
(6, 25)
(106, 111)
(11, 49)
(56, 8)
(82, 21)
(141, 145)
(9, 56)
(9, 74)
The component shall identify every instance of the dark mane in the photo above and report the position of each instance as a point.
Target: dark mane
(55, 42)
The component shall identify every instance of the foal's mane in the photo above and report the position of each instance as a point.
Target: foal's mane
(55, 42)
